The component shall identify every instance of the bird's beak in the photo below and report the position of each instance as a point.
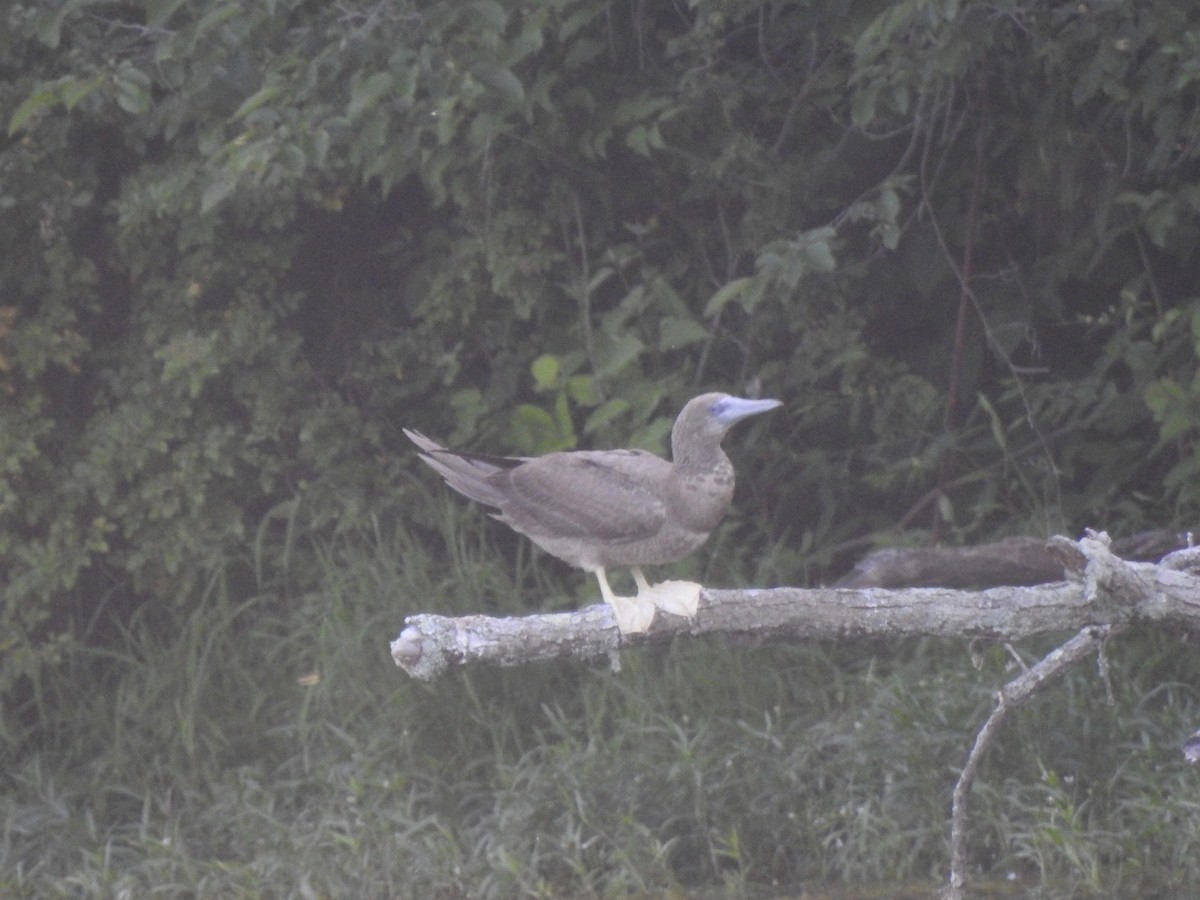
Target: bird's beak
(728, 410)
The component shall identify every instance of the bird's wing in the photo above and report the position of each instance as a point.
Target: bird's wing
(602, 496)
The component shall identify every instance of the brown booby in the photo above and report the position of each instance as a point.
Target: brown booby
(600, 508)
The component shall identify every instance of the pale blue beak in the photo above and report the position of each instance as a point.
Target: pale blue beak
(728, 410)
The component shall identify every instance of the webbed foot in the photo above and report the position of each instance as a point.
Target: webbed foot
(633, 614)
(680, 598)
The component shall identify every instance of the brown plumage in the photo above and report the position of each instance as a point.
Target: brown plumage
(600, 508)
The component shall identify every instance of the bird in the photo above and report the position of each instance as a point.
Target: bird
(598, 509)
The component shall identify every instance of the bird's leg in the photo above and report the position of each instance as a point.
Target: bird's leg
(681, 598)
(640, 579)
(633, 614)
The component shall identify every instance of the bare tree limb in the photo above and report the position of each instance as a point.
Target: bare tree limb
(1103, 590)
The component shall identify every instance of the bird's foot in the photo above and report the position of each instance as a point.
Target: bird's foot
(633, 614)
(680, 598)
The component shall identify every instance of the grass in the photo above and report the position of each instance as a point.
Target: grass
(265, 746)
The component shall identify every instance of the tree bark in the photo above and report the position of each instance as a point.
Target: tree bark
(1101, 589)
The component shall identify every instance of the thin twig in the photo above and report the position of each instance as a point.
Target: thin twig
(1014, 694)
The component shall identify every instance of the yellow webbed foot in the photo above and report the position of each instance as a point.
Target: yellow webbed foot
(680, 598)
(633, 614)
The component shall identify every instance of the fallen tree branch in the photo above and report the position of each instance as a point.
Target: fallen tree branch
(1103, 590)
(1012, 560)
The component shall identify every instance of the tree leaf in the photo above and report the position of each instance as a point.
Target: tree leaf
(500, 80)
(217, 190)
(582, 389)
(367, 92)
(604, 414)
(545, 371)
(616, 353)
(489, 13)
(73, 91)
(677, 331)
(535, 429)
(726, 293)
(159, 11)
(261, 97)
(132, 97)
(637, 140)
(40, 100)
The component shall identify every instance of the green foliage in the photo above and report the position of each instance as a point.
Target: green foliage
(246, 243)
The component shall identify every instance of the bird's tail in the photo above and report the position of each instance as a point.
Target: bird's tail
(466, 474)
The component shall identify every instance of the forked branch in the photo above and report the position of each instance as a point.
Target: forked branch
(1101, 596)
(1101, 590)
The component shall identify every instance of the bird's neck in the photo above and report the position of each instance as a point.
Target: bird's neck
(701, 489)
(708, 459)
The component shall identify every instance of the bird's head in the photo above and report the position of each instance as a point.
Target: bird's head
(706, 419)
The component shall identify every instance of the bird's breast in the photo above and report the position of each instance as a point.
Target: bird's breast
(700, 500)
